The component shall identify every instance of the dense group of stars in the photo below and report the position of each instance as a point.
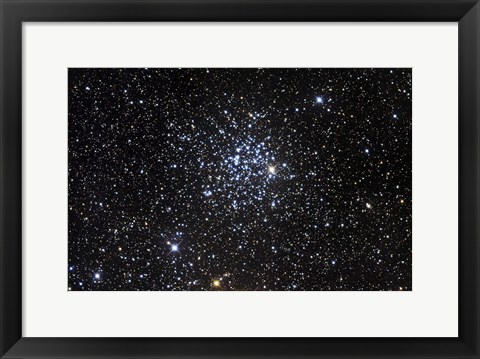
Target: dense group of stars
(239, 179)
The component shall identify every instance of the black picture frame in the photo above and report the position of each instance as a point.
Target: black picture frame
(14, 12)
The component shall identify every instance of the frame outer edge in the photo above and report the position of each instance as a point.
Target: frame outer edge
(11, 172)
(469, 179)
(10, 179)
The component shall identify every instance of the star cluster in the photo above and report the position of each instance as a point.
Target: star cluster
(240, 179)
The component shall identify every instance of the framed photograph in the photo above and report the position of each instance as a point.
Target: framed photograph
(239, 179)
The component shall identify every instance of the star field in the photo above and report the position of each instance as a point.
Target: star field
(239, 179)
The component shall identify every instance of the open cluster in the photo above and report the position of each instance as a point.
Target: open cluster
(240, 179)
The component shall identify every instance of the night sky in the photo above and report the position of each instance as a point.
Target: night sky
(239, 179)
